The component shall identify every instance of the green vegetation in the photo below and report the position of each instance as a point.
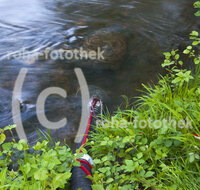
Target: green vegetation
(154, 146)
(161, 155)
(197, 6)
(151, 147)
(177, 93)
(43, 166)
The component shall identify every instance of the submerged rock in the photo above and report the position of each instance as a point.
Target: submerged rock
(113, 45)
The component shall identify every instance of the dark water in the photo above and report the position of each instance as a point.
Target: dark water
(147, 27)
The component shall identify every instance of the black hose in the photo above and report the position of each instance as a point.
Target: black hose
(79, 180)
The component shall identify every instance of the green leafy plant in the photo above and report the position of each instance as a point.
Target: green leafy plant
(197, 6)
(128, 156)
(44, 166)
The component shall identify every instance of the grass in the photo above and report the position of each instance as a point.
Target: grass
(153, 146)
(150, 147)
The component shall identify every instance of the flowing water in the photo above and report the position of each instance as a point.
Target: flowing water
(147, 28)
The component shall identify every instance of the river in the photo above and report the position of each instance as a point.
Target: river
(146, 28)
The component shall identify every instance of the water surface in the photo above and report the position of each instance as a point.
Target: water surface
(148, 27)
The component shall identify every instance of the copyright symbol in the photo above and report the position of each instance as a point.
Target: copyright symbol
(40, 105)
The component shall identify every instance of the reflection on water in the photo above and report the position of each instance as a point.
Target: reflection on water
(147, 27)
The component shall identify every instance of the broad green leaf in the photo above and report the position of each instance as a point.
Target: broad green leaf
(41, 174)
(60, 180)
(195, 43)
(168, 143)
(97, 187)
(2, 138)
(139, 155)
(197, 13)
(167, 55)
(6, 146)
(186, 51)
(27, 168)
(10, 127)
(110, 180)
(191, 157)
(149, 174)
(194, 33)
(177, 56)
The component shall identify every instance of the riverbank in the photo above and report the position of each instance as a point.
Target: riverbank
(147, 27)
(154, 145)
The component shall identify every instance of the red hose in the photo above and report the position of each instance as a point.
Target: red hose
(94, 102)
